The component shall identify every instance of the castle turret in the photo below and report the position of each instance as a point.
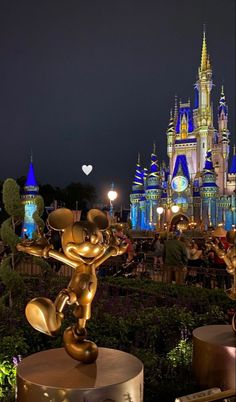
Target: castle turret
(220, 150)
(136, 195)
(153, 190)
(223, 127)
(170, 136)
(204, 113)
(231, 179)
(222, 112)
(145, 176)
(29, 200)
(209, 192)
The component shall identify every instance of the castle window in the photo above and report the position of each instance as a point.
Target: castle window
(203, 145)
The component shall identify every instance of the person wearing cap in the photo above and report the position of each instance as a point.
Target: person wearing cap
(222, 276)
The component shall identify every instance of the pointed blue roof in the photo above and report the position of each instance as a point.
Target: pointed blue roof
(138, 178)
(31, 181)
(154, 166)
(208, 163)
(208, 174)
(181, 164)
(222, 106)
(138, 181)
(232, 169)
(187, 111)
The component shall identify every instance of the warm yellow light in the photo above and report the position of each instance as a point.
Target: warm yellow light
(160, 210)
(112, 195)
(175, 209)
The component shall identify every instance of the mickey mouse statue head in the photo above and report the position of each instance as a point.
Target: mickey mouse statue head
(86, 245)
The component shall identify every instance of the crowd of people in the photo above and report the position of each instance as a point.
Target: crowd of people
(180, 259)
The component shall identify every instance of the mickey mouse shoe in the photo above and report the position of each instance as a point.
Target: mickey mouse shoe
(41, 314)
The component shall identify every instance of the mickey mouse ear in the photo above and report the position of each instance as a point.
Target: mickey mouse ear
(98, 218)
(60, 218)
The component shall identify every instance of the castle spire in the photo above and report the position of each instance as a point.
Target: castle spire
(138, 161)
(31, 180)
(170, 128)
(138, 178)
(204, 55)
(222, 103)
(176, 109)
(154, 148)
(154, 164)
(222, 96)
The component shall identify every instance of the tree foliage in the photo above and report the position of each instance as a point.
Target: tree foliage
(8, 235)
(11, 199)
(74, 195)
(39, 212)
(11, 279)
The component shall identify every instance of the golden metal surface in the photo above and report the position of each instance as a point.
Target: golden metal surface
(86, 245)
(229, 258)
(52, 375)
(214, 356)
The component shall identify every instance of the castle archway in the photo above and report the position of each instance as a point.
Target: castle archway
(179, 222)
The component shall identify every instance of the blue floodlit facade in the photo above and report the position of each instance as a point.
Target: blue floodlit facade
(200, 178)
(30, 193)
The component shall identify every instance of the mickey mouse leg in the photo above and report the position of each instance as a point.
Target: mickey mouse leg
(74, 337)
(46, 316)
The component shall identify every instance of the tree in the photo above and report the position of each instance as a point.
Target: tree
(13, 206)
(77, 195)
(38, 213)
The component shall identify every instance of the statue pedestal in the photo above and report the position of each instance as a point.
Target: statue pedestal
(53, 376)
(214, 356)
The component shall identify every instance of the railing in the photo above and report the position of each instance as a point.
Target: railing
(195, 276)
(219, 396)
(28, 268)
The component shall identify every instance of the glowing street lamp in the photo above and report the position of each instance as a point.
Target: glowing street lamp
(175, 209)
(160, 211)
(112, 195)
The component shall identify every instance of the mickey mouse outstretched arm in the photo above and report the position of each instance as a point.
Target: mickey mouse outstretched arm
(32, 248)
(63, 258)
(112, 251)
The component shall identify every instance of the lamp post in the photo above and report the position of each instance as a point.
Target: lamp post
(160, 211)
(112, 195)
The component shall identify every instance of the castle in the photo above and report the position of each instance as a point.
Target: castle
(199, 186)
(31, 190)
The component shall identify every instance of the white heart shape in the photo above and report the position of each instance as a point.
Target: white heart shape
(87, 169)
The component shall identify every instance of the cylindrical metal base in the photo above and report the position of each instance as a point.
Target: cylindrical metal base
(214, 356)
(53, 376)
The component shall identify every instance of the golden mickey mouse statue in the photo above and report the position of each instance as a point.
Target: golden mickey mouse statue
(86, 245)
(229, 257)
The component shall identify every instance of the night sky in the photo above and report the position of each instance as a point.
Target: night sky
(93, 81)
